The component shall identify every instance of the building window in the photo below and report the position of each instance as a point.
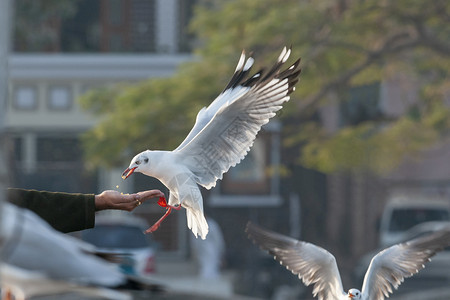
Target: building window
(82, 32)
(115, 12)
(55, 149)
(87, 26)
(142, 26)
(185, 13)
(59, 98)
(25, 98)
(17, 149)
(128, 26)
(51, 162)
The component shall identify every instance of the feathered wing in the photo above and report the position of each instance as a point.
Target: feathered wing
(312, 264)
(391, 266)
(225, 131)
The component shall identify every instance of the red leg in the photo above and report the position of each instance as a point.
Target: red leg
(155, 226)
(175, 207)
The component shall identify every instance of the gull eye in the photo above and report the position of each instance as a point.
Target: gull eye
(146, 160)
(138, 162)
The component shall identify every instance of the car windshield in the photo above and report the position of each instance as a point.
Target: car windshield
(404, 219)
(116, 236)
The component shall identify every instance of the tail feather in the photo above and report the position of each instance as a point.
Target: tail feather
(197, 223)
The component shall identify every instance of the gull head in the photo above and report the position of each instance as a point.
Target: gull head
(354, 294)
(137, 164)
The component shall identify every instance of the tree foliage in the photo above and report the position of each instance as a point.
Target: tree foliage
(343, 44)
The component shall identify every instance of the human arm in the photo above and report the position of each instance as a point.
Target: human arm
(68, 212)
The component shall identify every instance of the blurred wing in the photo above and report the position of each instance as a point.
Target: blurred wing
(225, 131)
(313, 265)
(391, 266)
(31, 244)
(31, 284)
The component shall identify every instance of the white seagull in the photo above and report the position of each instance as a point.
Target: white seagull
(315, 265)
(38, 260)
(221, 137)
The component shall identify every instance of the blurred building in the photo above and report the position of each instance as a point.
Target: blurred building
(4, 52)
(121, 26)
(355, 200)
(59, 52)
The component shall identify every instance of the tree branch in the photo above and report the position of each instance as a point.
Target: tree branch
(390, 46)
(430, 41)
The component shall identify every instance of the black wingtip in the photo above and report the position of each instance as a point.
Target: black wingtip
(240, 77)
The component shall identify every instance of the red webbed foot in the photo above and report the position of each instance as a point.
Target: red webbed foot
(163, 203)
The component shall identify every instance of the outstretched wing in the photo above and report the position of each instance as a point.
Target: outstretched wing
(391, 266)
(225, 131)
(312, 264)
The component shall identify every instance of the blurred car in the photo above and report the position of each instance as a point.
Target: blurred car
(122, 234)
(436, 272)
(402, 212)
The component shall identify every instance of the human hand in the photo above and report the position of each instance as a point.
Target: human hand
(114, 200)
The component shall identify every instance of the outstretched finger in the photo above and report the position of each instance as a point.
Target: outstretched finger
(143, 196)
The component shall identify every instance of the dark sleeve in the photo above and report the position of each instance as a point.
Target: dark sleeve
(64, 211)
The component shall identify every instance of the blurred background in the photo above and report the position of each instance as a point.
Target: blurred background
(355, 161)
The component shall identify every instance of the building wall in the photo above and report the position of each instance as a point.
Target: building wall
(43, 120)
(355, 200)
(127, 40)
(44, 88)
(5, 9)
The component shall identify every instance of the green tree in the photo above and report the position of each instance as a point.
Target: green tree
(344, 44)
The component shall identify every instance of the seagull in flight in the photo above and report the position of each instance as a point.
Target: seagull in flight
(316, 266)
(221, 137)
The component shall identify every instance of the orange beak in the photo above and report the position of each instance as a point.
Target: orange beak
(351, 295)
(128, 172)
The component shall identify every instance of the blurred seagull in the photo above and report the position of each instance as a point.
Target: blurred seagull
(24, 284)
(316, 266)
(221, 137)
(37, 260)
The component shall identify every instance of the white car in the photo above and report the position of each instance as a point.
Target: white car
(402, 212)
(123, 234)
(436, 273)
